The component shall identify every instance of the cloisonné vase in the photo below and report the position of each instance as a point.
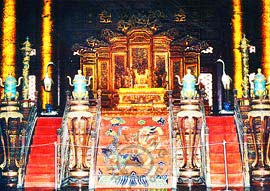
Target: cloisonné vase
(259, 85)
(189, 90)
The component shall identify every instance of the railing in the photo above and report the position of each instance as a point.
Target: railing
(242, 143)
(26, 140)
(95, 137)
(204, 150)
(205, 163)
(63, 149)
(175, 172)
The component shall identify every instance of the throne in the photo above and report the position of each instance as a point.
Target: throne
(141, 96)
(141, 79)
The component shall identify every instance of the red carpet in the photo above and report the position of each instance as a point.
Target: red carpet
(40, 168)
(223, 128)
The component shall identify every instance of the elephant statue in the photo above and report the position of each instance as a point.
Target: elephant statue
(10, 85)
(80, 83)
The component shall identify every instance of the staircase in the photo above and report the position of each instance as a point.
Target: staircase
(125, 145)
(134, 152)
(223, 128)
(40, 168)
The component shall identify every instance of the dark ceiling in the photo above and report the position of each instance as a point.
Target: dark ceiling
(76, 20)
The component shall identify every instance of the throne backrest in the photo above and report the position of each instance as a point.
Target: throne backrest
(141, 79)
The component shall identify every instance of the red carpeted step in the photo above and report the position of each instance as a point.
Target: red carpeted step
(46, 169)
(47, 121)
(45, 180)
(234, 168)
(220, 119)
(217, 147)
(222, 128)
(219, 168)
(232, 146)
(39, 139)
(35, 157)
(43, 148)
(234, 180)
(46, 131)
(40, 170)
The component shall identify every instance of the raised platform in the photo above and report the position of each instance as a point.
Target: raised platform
(141, 98)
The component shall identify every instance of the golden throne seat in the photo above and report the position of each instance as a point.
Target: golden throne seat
(141, 98)
(141, 79)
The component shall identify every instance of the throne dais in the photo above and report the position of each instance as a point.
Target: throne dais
(141, 96)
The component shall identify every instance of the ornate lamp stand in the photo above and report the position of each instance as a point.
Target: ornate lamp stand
(188, 119)
(81, 128)
(188, 128)
(260, 167)
(258, 122)
(11, 132)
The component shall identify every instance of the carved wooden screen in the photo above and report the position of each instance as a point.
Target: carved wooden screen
(160, 71)
(140, 59)
(89, 68)
(104, 73)
(176, 71)
(191, 61)
(103, 79)
(119, 70)
(140, 64)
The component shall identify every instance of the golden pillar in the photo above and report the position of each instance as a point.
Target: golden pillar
(8, 38)
(236, 36)
(46, 48)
